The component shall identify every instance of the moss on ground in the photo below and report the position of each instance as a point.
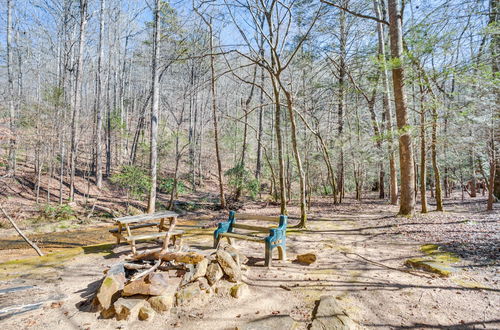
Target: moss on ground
(39, 265)
(435, 261)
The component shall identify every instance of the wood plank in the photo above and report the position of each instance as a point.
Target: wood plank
(239, 216)
(146, 217)
(250, 227)
(153, 235)
(150, 224)
(244, 237)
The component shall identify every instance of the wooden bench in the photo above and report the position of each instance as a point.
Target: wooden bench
(276, 237)
(125, 225)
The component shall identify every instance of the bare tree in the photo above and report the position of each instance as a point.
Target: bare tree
(10, 78)
(77, 97)
(155, 104)
(213, 96)
(97, 102)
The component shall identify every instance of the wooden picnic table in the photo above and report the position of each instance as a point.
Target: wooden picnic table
(125, 225)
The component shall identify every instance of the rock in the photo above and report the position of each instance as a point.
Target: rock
(187, 294)
(162, 303)
(307, 258)
(239, 290)
(166, 301)
(238, 257)
(146, 313)
(223, 288)
(153, 284)
(229, 266)
(282, 322)
(329, 315)
(112, 283)
(214, 273)
(188, 275)
(128, 308)
(194, 272)
(108, 313)
(200, 269)
(203, 282)
(430, 266)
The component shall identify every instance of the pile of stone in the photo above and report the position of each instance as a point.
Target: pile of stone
(158, 282)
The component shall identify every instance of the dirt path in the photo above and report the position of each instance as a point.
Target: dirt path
(360, 262)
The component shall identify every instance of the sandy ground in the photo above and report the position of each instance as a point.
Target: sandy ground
(361, 249)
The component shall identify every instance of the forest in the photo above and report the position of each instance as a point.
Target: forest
(376, 118)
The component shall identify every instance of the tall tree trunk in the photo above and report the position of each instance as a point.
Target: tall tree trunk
(341, 100)
(393, 191)
(215, 120)
(495, 68)
(279, 142)
(244, 147)
(435, 167)
(473, 192)
(77, 99)
(277, 116)
(155, 104)
(491, 181)
(378, 141)
(300, 169)
(97, 104)
(423, 151)
(258, 165)
(407, 205)
(12, 110)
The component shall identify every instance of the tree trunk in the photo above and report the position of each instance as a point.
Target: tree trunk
(214, 114)
(407, 205)
(25, 238)
(341, 100)
(155, 104)
(258, 165)
(393, 191)
(495, 68)
(473, 192)
(437, 176)
(10, 77)
(423, 163)
(302, 179)
(77, 99)
(491, 181)
(97, 104)
(245, 137)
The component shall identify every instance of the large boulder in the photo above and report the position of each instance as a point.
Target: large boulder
(229, 266)
(112, 283)
(330, 316)
(153, 284)
(214, 273)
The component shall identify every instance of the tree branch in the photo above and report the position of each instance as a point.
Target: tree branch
(354, 13)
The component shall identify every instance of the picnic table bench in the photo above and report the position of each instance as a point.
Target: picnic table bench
(125, 225)
(276, 237)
